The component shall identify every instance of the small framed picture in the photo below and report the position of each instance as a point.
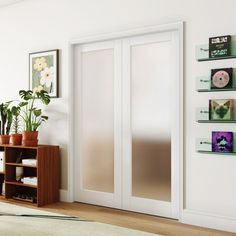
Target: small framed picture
(221, 109)
(221, 78)
(220, 46)
(44, 71)
(222, 141)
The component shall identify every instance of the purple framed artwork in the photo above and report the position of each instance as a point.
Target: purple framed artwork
(222, 141)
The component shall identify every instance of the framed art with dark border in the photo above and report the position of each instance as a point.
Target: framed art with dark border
(44, 71)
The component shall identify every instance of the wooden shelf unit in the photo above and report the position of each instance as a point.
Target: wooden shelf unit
(47, 172)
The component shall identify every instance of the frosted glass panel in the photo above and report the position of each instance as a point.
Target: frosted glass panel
(151, 121)
(97, 120)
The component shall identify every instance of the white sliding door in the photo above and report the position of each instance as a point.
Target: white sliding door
(128, 123)
(151, 121)
(98, 123)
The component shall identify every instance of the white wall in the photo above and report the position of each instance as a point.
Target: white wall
(210, 181)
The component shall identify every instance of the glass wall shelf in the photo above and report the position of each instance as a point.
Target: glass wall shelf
(216, 121)
(220, 153)
(203, 83)
(216, 58)
(202, 51)
(216, 90)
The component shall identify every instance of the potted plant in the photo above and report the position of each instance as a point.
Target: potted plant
(32, 116)
(16, 136)
(6, 121)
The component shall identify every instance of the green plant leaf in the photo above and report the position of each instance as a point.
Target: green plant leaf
(22, 104)
(26, 95)
(15, 111)
(44, 117)
(37, 112)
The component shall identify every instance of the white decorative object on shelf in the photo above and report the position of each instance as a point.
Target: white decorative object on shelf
(19, 173)
(30, 162)
(29, 180)
(2, 162)
(3, 188)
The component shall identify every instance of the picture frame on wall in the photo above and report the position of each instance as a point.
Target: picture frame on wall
(221, 109)
(222, 141)
(220, 46)
(221, 78)
(44, 72)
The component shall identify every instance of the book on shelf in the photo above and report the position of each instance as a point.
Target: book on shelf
(30, 180)
(30, 162)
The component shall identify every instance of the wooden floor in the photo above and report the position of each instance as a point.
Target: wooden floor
(131, 220)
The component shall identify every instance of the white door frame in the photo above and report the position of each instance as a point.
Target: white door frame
(178, 27)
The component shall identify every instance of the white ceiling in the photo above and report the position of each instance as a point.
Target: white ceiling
(4, 3)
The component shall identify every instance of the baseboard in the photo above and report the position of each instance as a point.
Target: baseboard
(64, 196)
(203, 219)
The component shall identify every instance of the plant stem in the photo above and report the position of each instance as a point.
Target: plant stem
(30, 113)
